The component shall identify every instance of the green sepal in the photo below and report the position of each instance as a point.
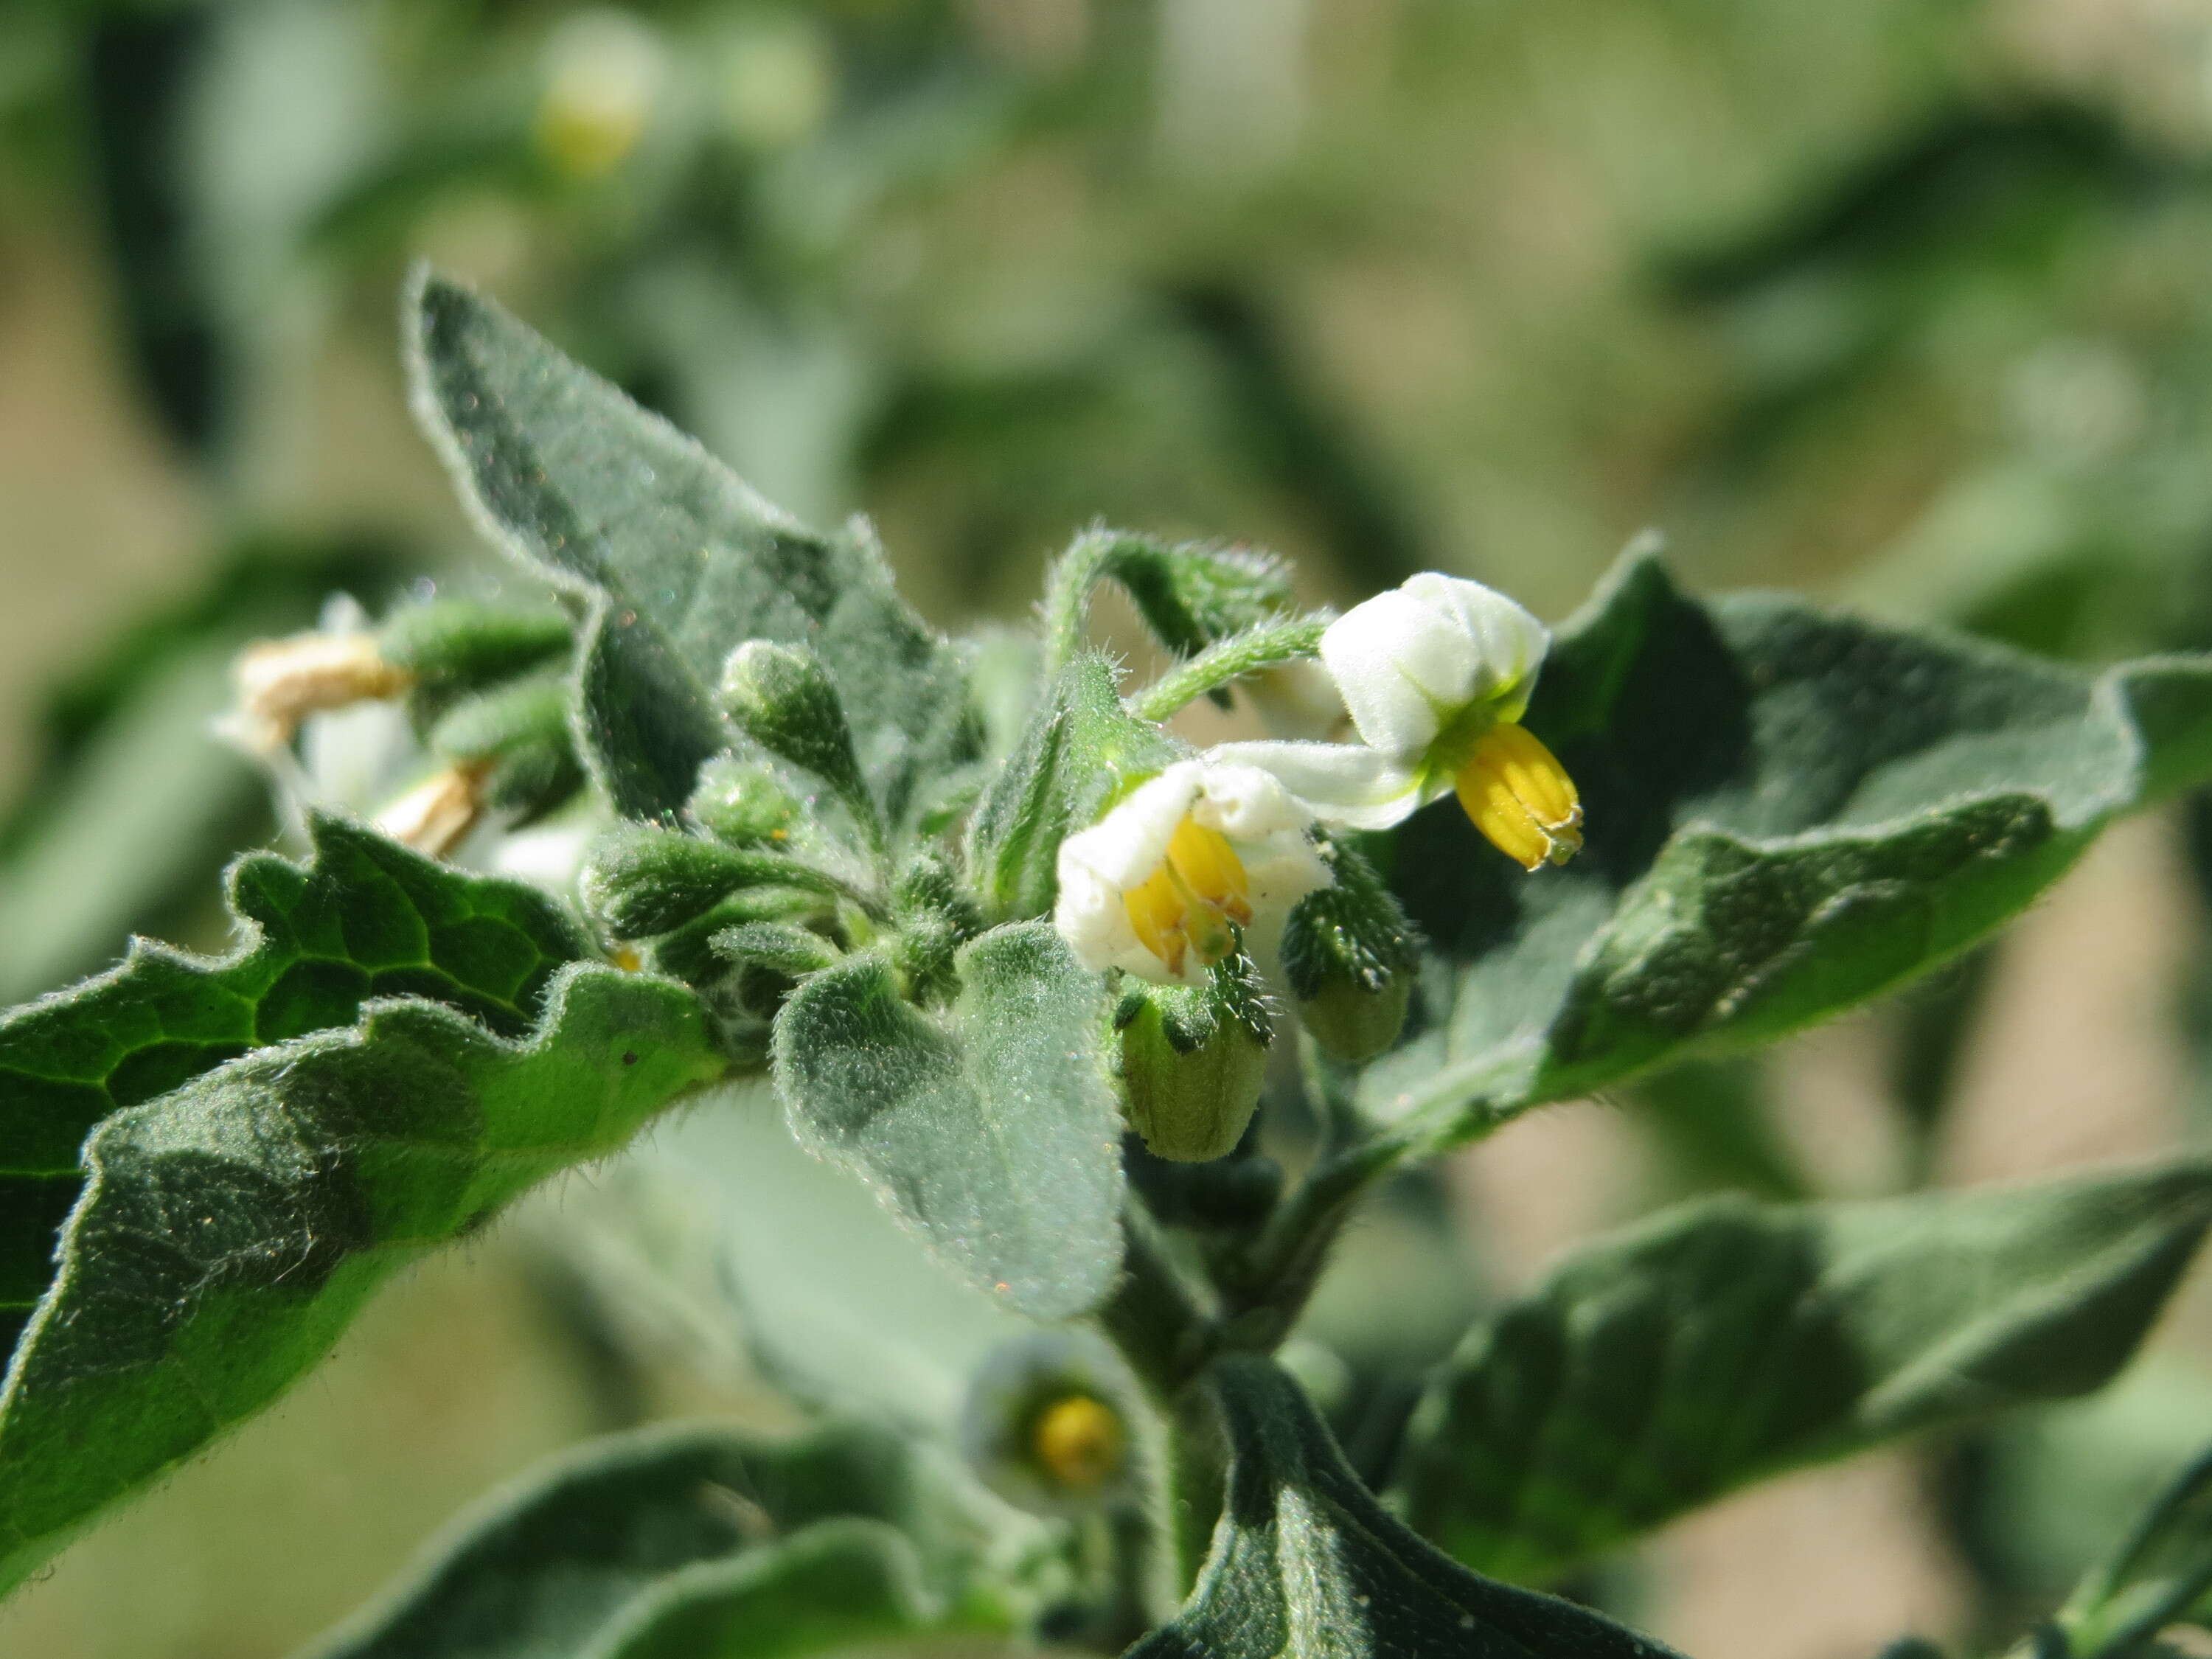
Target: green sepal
(1191, 1060)
(1082, 751)
(1307, 1564)
(1349, 955)
(1726, 1340)
(640, 880)
(988, 1126)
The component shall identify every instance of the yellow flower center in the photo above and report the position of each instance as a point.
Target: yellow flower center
(1516, 793)
(1190, 901)
(1078, 1441)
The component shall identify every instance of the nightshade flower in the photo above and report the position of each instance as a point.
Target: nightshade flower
(1163, 884)
(1437, 674)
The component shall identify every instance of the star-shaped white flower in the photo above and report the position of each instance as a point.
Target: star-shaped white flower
(1209, 851)
(1437, 674)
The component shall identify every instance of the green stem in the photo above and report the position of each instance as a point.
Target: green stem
(1228, 659)
(1067, 594)
(1284, 1264)
(1161, 1320)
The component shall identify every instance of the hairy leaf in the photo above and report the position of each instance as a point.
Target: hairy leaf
(836, 1586)
(1788, 811)
(989, 1127)
(362, 918)
(1306, 1565)
(1080, 749)
(639, 1537)
(681, 564)
(1722, 1341)
(231, 1227)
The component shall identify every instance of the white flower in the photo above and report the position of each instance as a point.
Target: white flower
(1437, 674)
(1162, 884)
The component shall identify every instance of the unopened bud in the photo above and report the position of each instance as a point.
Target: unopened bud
(1349, 952)
(467, 643)
(280, 681)
(1046, 1424)
(782, 699)
(743, 804)
(640, 880)
(436, 816)
(1192, 1061)
(518, 736)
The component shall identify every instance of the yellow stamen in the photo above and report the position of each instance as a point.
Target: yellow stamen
(1156, 911)
(1189, 902)
(1205, 859)
(1079, 1441)
(1516, 793)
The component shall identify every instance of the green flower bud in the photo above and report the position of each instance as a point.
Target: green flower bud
(1349, 953)
(1192, 1061)
(517, 738)
(745, 804)
(471, 642)
(1048, 1424)
(640, 880)
(689, 952)
(782, 699)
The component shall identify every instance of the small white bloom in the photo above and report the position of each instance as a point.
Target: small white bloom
(1415, 663)
(1160, 885)
(1437, 674)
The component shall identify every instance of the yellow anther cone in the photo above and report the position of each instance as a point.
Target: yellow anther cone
(1516, 793)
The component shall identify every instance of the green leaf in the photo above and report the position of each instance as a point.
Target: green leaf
(1081, 748)
(698, 1532)
(363, 918)
(1306, 1565)
(1788, 813)
(681, 564)
(990, 1128)
(2160, 1576)
(836, 1586)
(231, 1227)
(1722, 1341)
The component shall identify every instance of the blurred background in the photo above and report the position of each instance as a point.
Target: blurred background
(1901, 302)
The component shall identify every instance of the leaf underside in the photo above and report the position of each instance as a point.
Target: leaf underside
(1727, 1341)
(1788, 811)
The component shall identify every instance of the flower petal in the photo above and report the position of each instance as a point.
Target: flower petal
(1402, 666)
(1509, 641)
(1341, 783)
(1127, 844)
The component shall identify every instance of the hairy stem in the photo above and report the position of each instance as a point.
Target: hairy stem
(1228, 659)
